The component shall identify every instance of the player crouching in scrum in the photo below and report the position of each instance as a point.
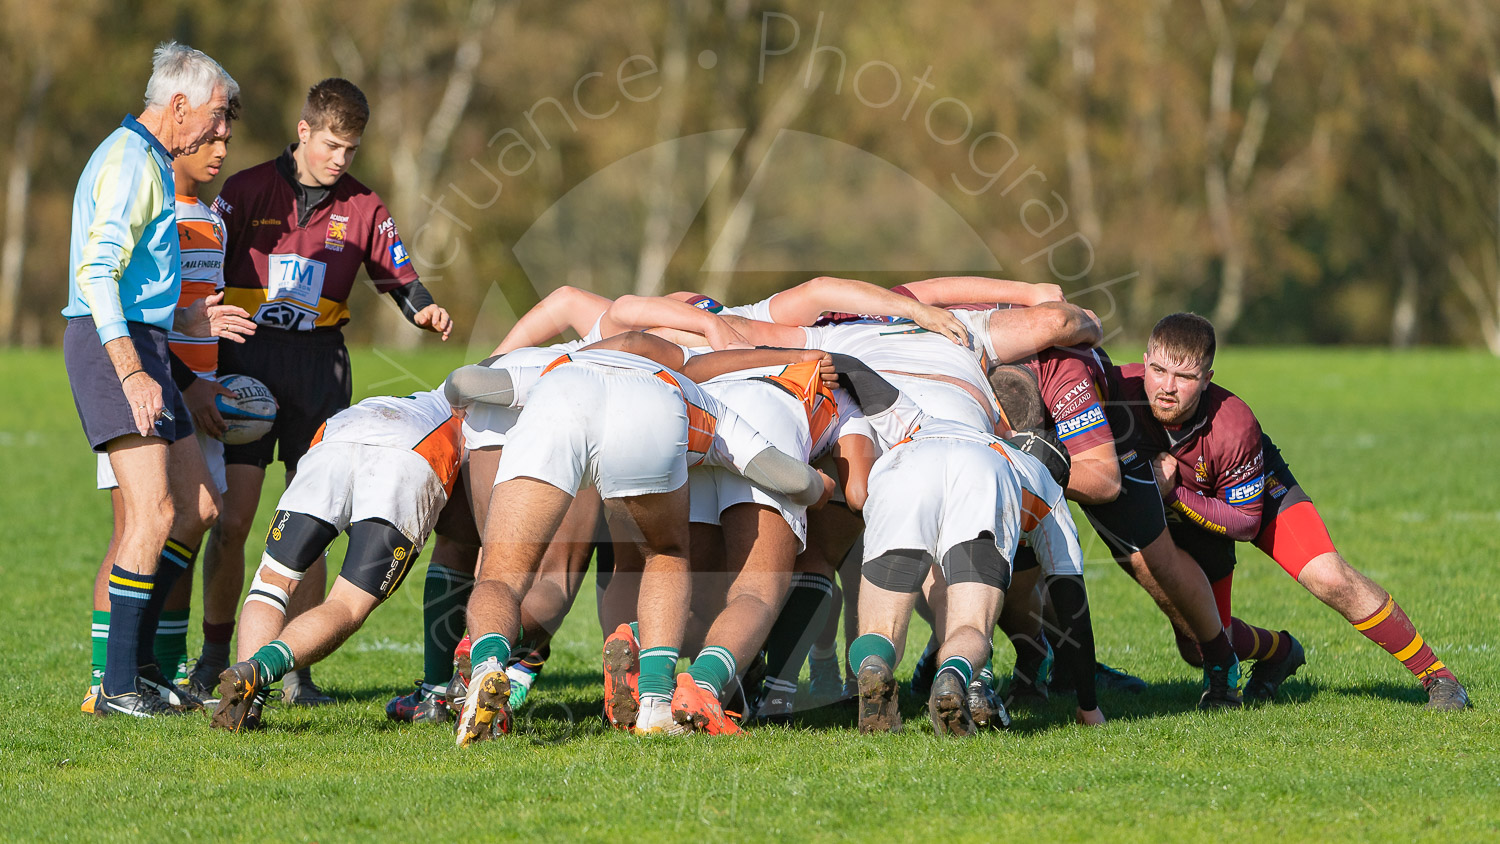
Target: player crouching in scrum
(381, 471)
(945, 494)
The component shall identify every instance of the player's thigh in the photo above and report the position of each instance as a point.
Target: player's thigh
(885, 611)
(190, 482)
(140, 467)
(662, 519)
(972, 604)
(524, 516)
(481, 468)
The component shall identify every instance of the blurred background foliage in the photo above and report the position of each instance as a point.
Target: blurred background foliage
(1303, 172)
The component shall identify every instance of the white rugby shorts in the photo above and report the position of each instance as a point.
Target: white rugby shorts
(343, 482)
(623, 430)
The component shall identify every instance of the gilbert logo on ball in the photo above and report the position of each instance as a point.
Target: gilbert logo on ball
(248, 417)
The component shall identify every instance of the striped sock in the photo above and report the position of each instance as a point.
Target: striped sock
(490, 646)
(960, 666)
(445, 594)
(174, 561)
(100, 640)
(657, 667)
(713, 669)
(129, 593)
(872, 645)
(273, 661)
(808, 603)
(1251, 642)
(171, 643)
(1392, 630)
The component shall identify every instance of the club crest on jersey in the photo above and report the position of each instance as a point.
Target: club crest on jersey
(338, 230)
(705, 303)
(1201, 470)
(1088, 420)
(1246, 492)
(399, 258)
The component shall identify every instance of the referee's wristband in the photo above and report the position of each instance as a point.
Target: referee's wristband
(128, 376)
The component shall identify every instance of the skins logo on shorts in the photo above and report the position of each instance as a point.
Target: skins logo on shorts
(705, 303)
(399, 258)
(1245, 492)
(276, 529)
(1088, 420)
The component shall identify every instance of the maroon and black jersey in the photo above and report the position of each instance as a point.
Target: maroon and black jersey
(1075, 391)
(295, 271)
(1221, 467)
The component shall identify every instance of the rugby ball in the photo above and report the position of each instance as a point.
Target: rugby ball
(250, 414)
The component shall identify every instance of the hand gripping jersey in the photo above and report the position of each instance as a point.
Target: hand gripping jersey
(912, 354)
(1220, 464)
(387, 458)
(200, 236)
(296, 275)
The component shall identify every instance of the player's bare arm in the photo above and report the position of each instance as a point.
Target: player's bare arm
(703, 367)
(634, 313)
(963, 289)
(565, 308)
(1022, 332)
(805, 303)
(1095, 476)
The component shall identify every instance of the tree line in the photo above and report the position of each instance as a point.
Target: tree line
(1301, 172)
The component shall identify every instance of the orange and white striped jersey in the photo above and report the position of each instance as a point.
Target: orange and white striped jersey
(200, 237)
(830, 413)
(421, 422)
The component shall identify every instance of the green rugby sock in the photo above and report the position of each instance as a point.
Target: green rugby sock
(171, 643)
(960, 666)
(101, 645)
(872, 644)
(273, 661)
(490, 646)
(445, 594)
(657, 666)
(713, 669)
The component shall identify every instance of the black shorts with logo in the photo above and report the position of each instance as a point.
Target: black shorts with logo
(1137, 517)
(308, 373)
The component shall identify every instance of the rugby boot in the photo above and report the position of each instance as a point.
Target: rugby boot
(88, 700)
(622, 674)
(458, 692)
(1115, 680)
(825, 680)
(1266, 676)
(1445, 694)
(486, 711)
(520, 685)
(697, 710)
(922, 674)
(176, 696)
(144, 702)
(239, 689)
(298, 689)
(948, 706)
(203, 683)
(419, 707)
(1221, 687)
(1031, 677)
(654, 718)
(775, 708)
(985, 707)
(254, 715)
(462, 662)
(879, 697)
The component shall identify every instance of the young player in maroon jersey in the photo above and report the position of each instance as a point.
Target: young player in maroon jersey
(1239, 489)
(299, 229)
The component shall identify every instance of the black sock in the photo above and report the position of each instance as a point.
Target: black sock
(797, 628)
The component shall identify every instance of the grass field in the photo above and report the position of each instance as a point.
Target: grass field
(1399, 451)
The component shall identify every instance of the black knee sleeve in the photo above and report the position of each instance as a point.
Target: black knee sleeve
(297, 540)
(977, 561)
(379, 557)
(901, 570)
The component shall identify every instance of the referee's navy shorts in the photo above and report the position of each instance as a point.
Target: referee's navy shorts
(98, 395)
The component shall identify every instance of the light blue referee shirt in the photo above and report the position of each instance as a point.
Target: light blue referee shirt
(123, 259)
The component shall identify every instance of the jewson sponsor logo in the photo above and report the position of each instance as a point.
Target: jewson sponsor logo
(1088, 420)
(1246, 492)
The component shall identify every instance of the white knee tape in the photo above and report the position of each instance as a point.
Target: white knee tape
(267, 593)
(268, 562)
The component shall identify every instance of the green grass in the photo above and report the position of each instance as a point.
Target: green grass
(1399, 452)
